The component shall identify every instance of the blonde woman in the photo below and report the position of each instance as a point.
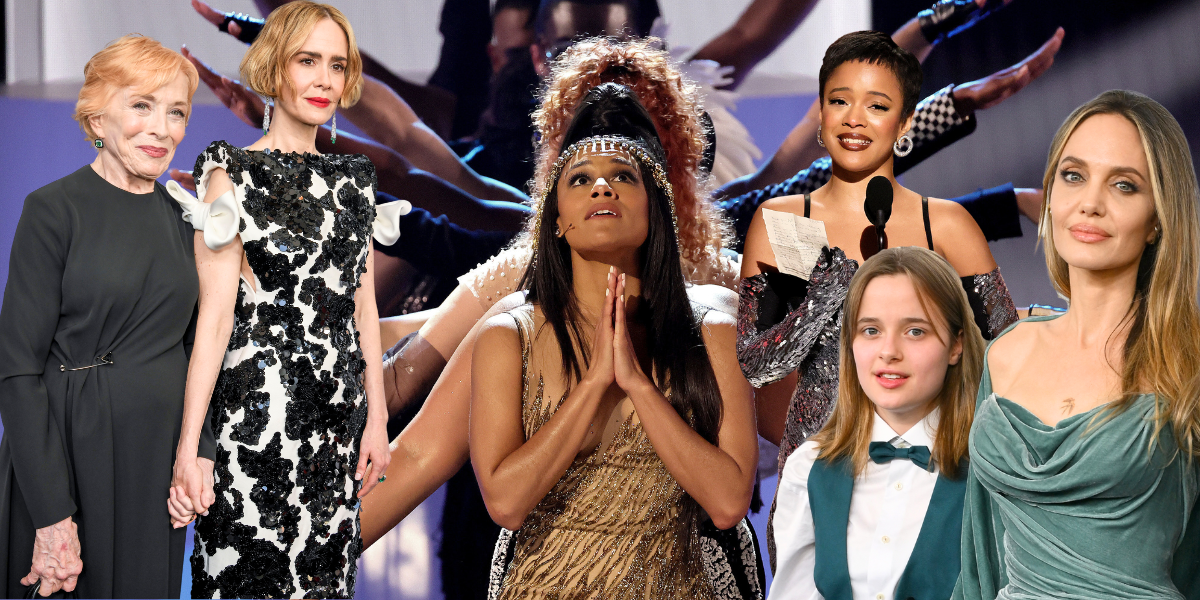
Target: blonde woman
(286, 326)
(877, 510)
(1083, 470)
(93, 331)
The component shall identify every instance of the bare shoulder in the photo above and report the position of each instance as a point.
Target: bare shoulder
(1006, 352)
(957, 237)
(792, 204)
(498, 334)
(218, 183)
(719, 329)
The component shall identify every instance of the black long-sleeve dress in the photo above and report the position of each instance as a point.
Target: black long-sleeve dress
(97, 275)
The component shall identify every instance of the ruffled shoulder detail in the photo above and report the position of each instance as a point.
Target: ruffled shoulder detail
(386, 228)
(219, 221)
(218, 155)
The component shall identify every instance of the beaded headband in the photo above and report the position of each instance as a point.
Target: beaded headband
(607, 143)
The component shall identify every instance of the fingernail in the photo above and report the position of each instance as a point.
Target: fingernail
(606, 292)
(357, 476)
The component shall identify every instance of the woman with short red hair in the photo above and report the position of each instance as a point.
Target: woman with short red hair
(93, 336)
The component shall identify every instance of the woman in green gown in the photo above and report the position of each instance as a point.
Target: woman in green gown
(1084, 472)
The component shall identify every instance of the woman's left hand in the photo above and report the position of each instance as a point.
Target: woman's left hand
(373, 454)
(626, 368)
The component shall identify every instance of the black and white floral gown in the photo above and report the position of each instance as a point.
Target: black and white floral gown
(288, 408)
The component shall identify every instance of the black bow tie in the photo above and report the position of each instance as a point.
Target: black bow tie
(883, 452)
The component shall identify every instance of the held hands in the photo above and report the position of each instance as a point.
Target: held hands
(373, 454)
(56, 559)
(995, 88)
(191, 490)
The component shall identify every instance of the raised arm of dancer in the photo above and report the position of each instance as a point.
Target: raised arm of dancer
(765, 24)
(434, 445)
(426, 150)
(719, 477)
(760, 29)
(218, 271)
(514, 473)
(393, 123)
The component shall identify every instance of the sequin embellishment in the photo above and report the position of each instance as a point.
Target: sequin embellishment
(288, 409)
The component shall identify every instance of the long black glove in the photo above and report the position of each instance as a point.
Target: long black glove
(947, 18)
(250, 26)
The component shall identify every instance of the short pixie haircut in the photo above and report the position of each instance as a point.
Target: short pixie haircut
(876, 48)
(264, 68)
(133, 61)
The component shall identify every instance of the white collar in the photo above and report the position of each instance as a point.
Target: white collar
(921, 434)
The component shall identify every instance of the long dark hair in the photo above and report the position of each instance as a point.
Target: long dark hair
(677, 351)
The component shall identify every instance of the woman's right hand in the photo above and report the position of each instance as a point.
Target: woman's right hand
(191, 490)
(56, 559)
(601, 373)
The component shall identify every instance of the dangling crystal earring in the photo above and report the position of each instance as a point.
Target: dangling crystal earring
(905, 148)
(333, 135)
(267, 115)
(820, 142)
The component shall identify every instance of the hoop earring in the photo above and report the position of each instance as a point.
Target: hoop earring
(820, 142)
(333, 134)
(99, 143)
(267, 115)
(906, 148)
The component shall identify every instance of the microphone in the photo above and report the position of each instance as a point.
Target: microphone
(878, 205)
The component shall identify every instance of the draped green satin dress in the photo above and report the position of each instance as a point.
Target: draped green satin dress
(1089, 508)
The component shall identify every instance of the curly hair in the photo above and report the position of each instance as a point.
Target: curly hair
(674, 105)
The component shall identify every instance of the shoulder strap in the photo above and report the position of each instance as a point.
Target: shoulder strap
(933, 566)
(925, 215)
(830, 487)
(808, 205)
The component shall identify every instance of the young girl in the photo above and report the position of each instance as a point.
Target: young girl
(875, 512)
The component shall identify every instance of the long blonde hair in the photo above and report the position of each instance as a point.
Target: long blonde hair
(1162, 351)
(847, 434)
(264, 67)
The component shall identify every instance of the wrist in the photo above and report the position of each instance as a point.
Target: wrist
(591, 387)
(187, 450)
(642, 388)
(377, 417)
